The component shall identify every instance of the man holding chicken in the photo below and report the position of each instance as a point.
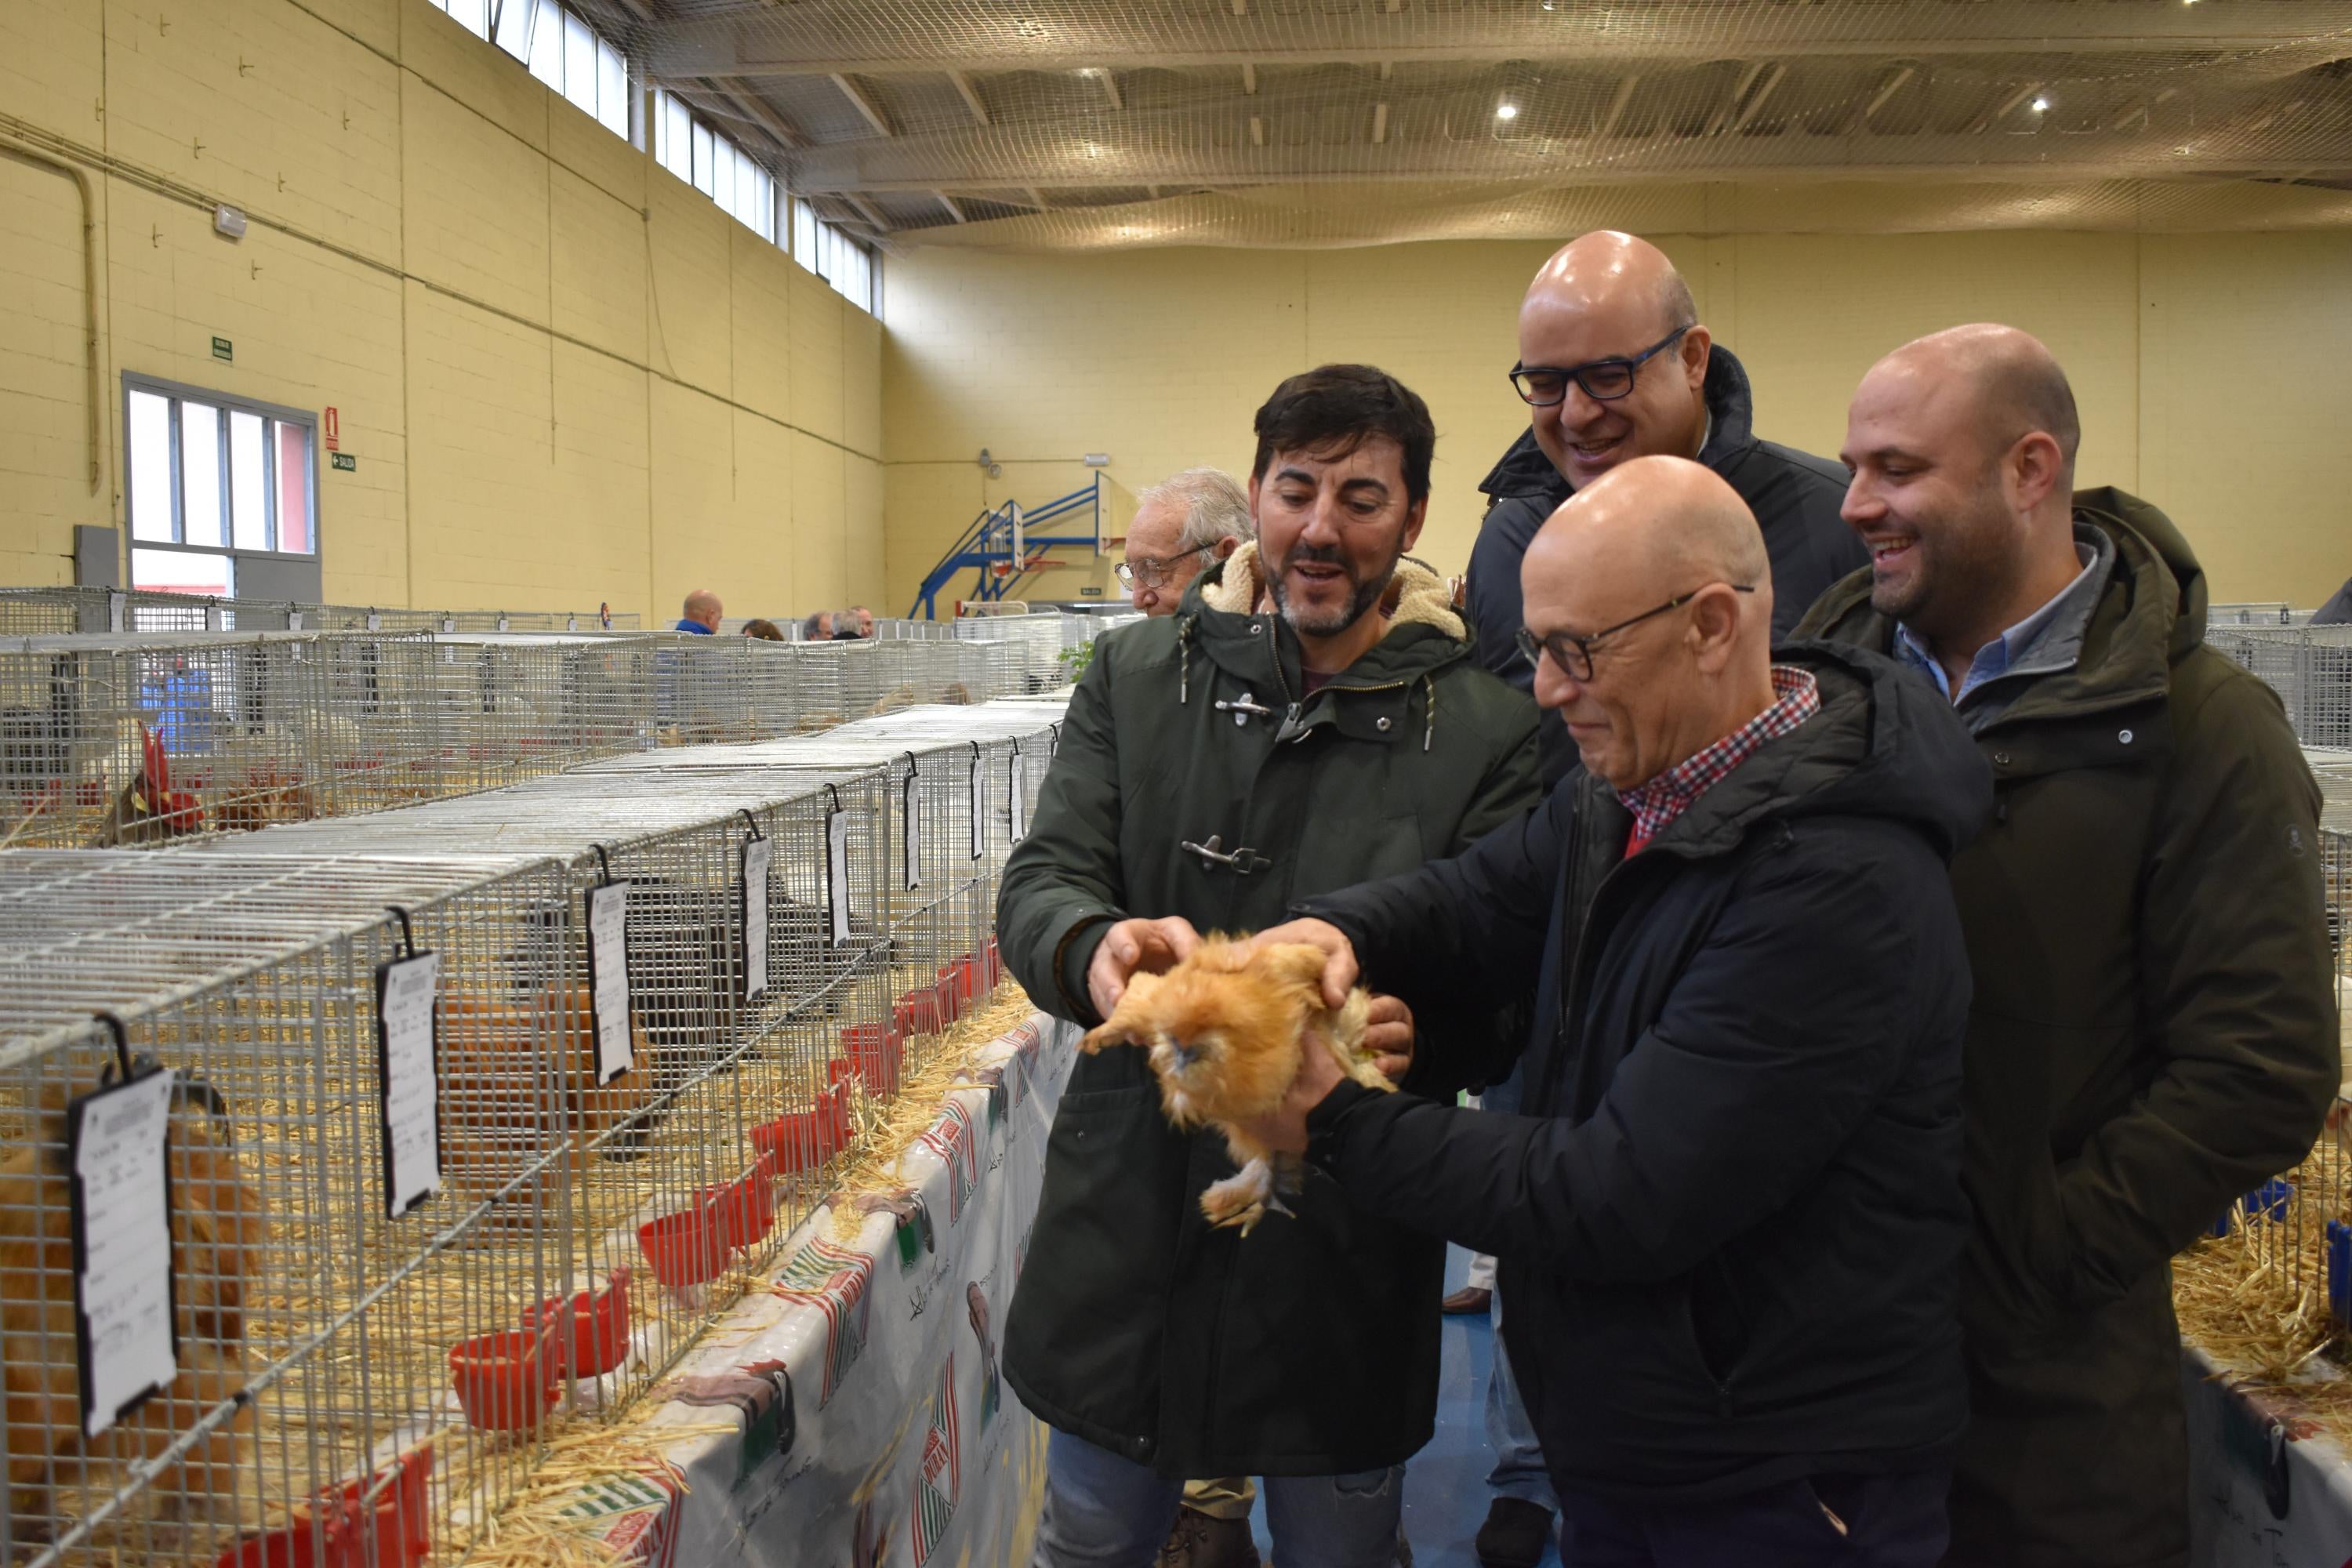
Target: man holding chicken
(1311, 716)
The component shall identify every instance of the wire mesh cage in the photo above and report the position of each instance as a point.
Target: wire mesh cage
(2255, 614)
(521, 706)
(140, 740)
(714, 1063)
(2309, 667)
(322, 1390)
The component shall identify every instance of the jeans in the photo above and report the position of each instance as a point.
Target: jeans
(1518, 1470)
(1104, 1512)
(1822, 1521)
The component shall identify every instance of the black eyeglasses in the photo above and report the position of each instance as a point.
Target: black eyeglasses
(1603, 380)
(1573, 654)
(1151, 572)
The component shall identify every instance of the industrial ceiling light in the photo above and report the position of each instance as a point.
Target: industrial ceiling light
(2039, 104)
(1507, 112)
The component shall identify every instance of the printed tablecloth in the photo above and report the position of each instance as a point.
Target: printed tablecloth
(873, 1424)
(2266, 1488)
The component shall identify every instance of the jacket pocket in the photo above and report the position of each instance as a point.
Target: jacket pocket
(2019, 1260)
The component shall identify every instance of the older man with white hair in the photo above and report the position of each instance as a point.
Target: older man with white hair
(1181, 523)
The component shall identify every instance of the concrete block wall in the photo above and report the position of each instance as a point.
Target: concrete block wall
(566, 376)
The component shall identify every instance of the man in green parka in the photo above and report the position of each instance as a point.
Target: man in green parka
(2154, 1025)
(1312, 717)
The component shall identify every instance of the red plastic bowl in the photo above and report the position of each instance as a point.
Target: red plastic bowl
(684, 1249)
(790, 1141)
(592, 1329)
(506, 1382)
(404, 1535)
(873, 1052)
(917, 1012)
(744, 1209)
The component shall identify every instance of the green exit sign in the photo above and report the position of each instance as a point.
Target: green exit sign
(223, 349)
(344, 460)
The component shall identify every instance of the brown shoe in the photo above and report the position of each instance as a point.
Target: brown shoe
(1465, 1302)
(1198, 1540)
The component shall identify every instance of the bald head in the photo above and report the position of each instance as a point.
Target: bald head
(1608, 270)
(2011, 378)
(1613, 357)
(702, 606)
(1662, 683)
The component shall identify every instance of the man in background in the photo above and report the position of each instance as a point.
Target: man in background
(844, 627)
(702, 613)
(818, 626)
(865, 620)
(2338, 611)
(1180, 524)
(2154, 1024)
(1614, 364)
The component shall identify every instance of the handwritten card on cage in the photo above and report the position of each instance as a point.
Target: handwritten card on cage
(980, 809)
(759, 855)
(1016, 801)
(121, 1198)
(913, 815)
(408, 1062)
(608, 978)
(836, 873)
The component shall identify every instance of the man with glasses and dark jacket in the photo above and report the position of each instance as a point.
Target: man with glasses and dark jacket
(1614, 364)
(1728, 1218)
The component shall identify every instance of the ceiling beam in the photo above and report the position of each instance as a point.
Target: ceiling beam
(834, 38)
(2001, 111)
(1725, 109)
(949, 201)
(866, 106)
(1888, 86)
(1380, 124)
(1108, 80)
(1036, 197)
(749, 105)
(1249, 78)
(1147, 149)
(1773, 78)
(971, 96)
(1617, 103)
(867, 211)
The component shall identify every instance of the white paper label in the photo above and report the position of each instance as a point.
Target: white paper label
(1016, 801)
(406, 990)
(914, 819)
(836, 873)
(448, 625)
(121, 1208)
(293, 620)
(979, 809)
(759, 855)
(374, 622)
(608, 973)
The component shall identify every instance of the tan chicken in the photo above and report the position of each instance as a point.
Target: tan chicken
(218, 1228)
(1225, 1029)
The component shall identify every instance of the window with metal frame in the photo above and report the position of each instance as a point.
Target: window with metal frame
(559, 46)
(832, 256)
(707, 159)
(213, 480)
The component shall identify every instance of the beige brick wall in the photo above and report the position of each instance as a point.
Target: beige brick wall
(566, 376)
(2205, 365)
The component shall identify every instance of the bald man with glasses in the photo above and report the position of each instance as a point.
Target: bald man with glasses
(1614, 364)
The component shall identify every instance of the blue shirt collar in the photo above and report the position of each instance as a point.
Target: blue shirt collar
(2047, 641)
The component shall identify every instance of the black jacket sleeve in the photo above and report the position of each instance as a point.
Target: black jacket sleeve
(1459, 932)
(1763, 1063)
(1496, 611)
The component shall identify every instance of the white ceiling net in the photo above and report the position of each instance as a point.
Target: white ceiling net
(1061, 124)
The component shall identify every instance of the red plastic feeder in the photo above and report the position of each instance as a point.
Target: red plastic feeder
(505, 1381)
(404, 1535)
(790, 1143)
(917, 1012)
(874, 1052)
(302, 1545)
(592, 1329)
(684, 1248)
(993, 965)
(743, 1210)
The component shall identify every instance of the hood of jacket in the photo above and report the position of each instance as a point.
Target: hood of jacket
(1415, 596)
(1883, 745)
(1524, 470)
(2151, 616)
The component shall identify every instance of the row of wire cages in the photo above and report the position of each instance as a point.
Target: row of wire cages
(2255, 614)
(2271, 1287)
(32, 611)
(139, 740)
(661, 1021)
(2309, 667)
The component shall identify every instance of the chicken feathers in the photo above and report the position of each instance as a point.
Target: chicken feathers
(1225, 1030)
